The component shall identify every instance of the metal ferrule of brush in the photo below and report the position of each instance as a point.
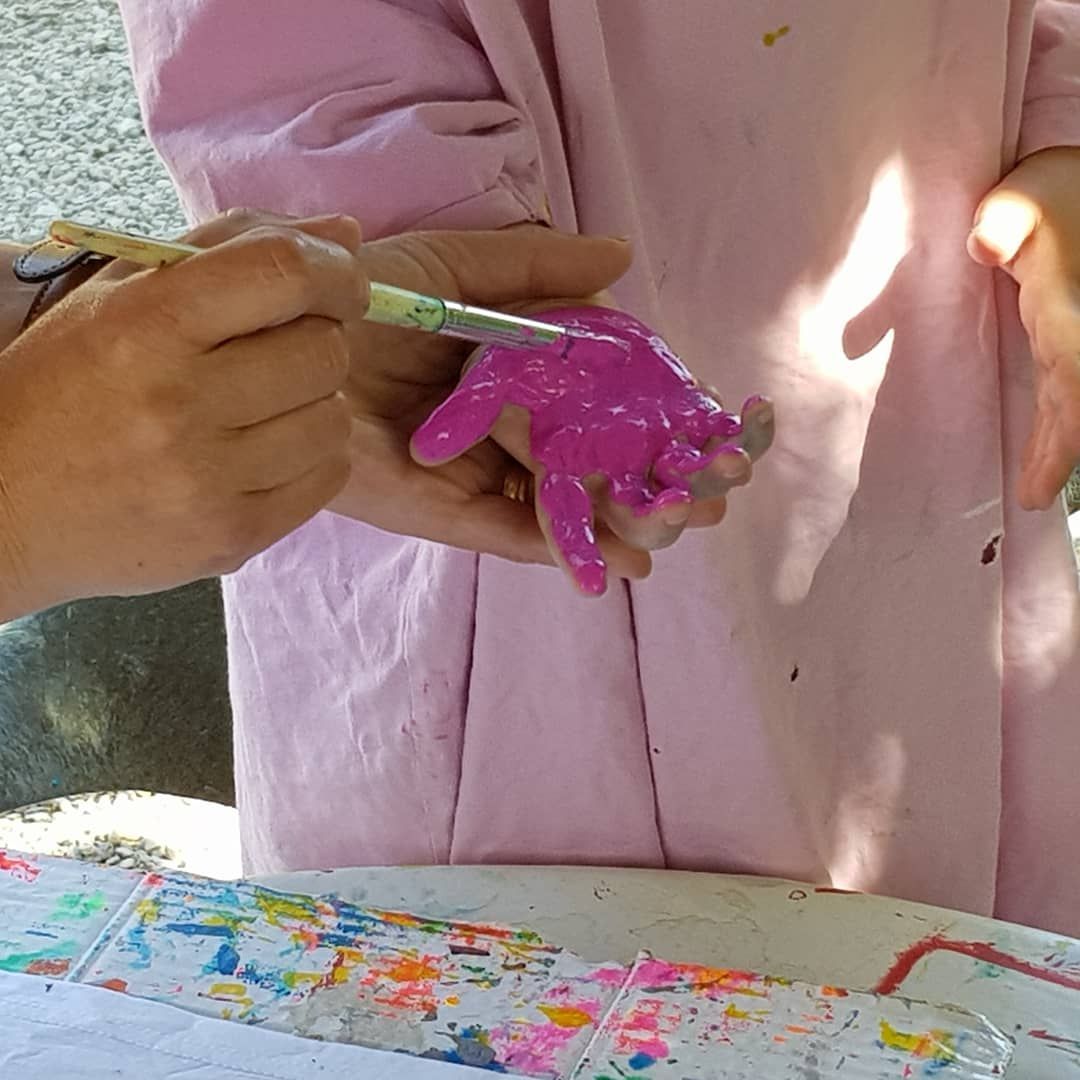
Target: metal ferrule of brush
(494, 328)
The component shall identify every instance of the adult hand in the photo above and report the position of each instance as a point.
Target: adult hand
(1030, 226)
(164, 426)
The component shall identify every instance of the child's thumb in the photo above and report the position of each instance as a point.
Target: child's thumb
(1003, 223)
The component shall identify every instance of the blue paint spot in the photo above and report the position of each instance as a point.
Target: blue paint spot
(641, 1061)
(56, 781)
(193, 929)
(225, 962)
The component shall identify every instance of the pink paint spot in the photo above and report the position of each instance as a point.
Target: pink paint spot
(19, 869)
(617, 404)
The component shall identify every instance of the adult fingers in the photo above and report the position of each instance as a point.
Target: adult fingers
(501, 266)
(337, 228)
(262, 375)
(261, 278)
(267, 516)
(279, 451)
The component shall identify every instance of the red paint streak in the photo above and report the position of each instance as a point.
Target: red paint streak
(977, 950)
(114, 984)
(1045, 1036)
(18, 868)
(839, 892)
(48, 967)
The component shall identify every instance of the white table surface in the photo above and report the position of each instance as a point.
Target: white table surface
(1024, 981)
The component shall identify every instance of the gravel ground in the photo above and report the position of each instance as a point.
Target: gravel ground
(132, 829)
(71, 140)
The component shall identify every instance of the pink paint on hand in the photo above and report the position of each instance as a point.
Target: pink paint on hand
(618, 404)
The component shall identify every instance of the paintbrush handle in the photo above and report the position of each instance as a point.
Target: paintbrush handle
(387, 305)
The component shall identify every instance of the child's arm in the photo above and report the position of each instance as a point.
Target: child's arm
(386, 111)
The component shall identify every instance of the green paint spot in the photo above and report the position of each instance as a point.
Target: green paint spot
(79, 905)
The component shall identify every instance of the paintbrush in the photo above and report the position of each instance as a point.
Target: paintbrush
(388, 304)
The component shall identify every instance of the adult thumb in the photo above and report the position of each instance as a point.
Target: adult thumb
(530, 262)
(1004, 222)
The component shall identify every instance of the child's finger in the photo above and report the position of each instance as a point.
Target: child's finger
(759, 426)
(706, 513)
(653, 531)
(587, 554)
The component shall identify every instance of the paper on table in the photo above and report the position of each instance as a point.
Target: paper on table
(687, 1022)
(53, 1029)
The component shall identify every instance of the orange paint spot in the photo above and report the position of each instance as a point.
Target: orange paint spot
(114, 984)
(48, 967)
(796, 1030)
(453, 999)
(773, 36)
(409, 970)
(833, 991)
(565, 1017)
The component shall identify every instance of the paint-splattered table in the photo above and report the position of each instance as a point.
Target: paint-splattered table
(1025, 981)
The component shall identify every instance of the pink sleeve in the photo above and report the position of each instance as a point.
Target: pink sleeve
(386, 110)
(1052, 98)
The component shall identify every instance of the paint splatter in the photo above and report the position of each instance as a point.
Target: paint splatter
(770, 38)
(55, 960)
(981, 951)
(1058, 1041)
(19, 869)
(937, 1046)
(79, 905)
(990, 552)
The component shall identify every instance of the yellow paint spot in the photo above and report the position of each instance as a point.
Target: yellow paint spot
(453, 999)
(234, 992)
(773, 36)
(276, 908)
(148, 910)
(232, 922)
(736, 1014)
(565, 1017)
(935, 1045)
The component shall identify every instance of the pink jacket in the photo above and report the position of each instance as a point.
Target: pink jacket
(869, 676)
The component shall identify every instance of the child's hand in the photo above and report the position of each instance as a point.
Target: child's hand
(1030, 226)
(616, 432)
